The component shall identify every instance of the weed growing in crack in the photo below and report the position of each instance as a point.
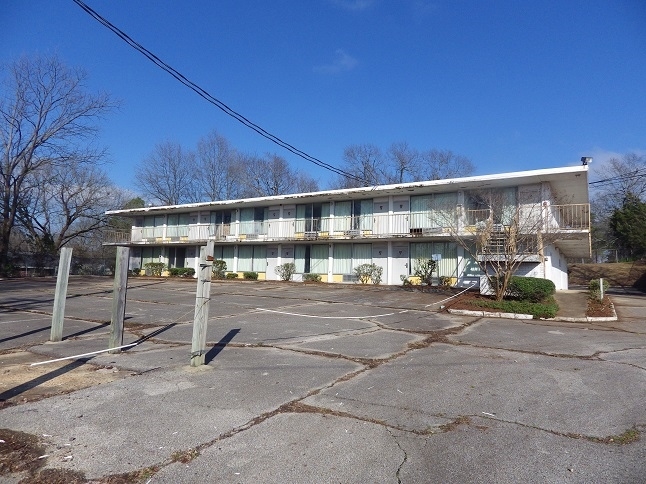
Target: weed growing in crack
(185, 456)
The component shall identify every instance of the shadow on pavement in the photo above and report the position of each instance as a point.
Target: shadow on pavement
(220, 345)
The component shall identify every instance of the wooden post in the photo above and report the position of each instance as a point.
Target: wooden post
(119, 298)
(202, 299)
(58, 316)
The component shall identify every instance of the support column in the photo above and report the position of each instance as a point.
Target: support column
(202, 300)
(119, 298)
(58, 315)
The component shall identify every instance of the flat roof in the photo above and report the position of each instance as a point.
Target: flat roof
(569, 185)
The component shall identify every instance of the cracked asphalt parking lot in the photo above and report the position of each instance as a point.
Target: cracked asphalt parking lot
(324, 383)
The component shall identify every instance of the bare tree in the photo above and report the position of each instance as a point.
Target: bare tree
(441, 164)
(366, 164)
(66, 204)
(46, 120)
(218, 168)
(500, 233)
(617, 180)
(168, 175)
(404, 163)
(272, 175)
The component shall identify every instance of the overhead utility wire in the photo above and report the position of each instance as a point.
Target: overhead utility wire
(213, 100)
(627, 176)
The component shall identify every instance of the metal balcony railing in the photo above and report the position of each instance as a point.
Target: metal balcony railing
(551, 218)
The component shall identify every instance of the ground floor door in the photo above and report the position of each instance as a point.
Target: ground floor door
(399, 263)
(272, 262)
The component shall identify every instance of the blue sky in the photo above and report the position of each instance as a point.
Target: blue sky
(513, 85)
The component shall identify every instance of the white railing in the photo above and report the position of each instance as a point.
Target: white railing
(557, 217)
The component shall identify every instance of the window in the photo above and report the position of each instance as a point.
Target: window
(221, 220)
(353, 215)
(432, 211)
(150, 254)
(252, 258)
(500, 205)
(224, 253)
(348, 256)
(154, 226)
(252, 220)
(312, 217)
(311, 259)
(177, 225)
(176, 256)
(448, 263)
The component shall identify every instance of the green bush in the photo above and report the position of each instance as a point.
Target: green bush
(546, 309)
(135, 271)
(253, 276)
(181, 271)
(368, 272)
(154, 268)
(595, 288)
(219, 269)
(311, 277)
(285, 271)
(531, 289)
(445, 282)
(424, 269)
(232, 275)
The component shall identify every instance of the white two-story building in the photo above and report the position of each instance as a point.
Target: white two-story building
(332, 232)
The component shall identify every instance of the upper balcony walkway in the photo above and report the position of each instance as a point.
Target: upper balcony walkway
(567, 219)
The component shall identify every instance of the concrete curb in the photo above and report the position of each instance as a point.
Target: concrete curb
(487, 314)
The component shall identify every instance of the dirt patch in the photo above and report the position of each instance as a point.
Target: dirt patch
(621, 274)
(600, 309)
(23, 456)
(20, 383)
(467, 301)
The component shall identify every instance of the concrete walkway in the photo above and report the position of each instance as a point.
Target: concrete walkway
(331, 383)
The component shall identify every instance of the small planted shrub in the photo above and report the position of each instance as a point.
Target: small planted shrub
(406, 282)
(181, 271)
(595, 288)
(445, 282)
(424, 269)
(285, 271)
(252, 276)
(368, 272)
(134, 271)
(154, 268)
(219, 269)
(232, 275)
(311, 277)
(531, 289)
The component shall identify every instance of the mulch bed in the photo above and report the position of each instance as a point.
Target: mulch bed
(600, 309)
(468, 301)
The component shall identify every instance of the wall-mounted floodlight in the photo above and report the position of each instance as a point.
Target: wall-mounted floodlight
(586, 160)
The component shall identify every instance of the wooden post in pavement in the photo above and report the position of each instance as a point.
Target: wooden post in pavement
(58, 316)
(119, 298)
(202, 299)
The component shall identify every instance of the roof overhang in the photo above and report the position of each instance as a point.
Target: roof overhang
(569, 186)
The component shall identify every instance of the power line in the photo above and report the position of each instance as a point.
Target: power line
(211, 99)
(627, 176)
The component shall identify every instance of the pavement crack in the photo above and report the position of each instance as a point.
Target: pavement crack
(404, 458)
(629, 436)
